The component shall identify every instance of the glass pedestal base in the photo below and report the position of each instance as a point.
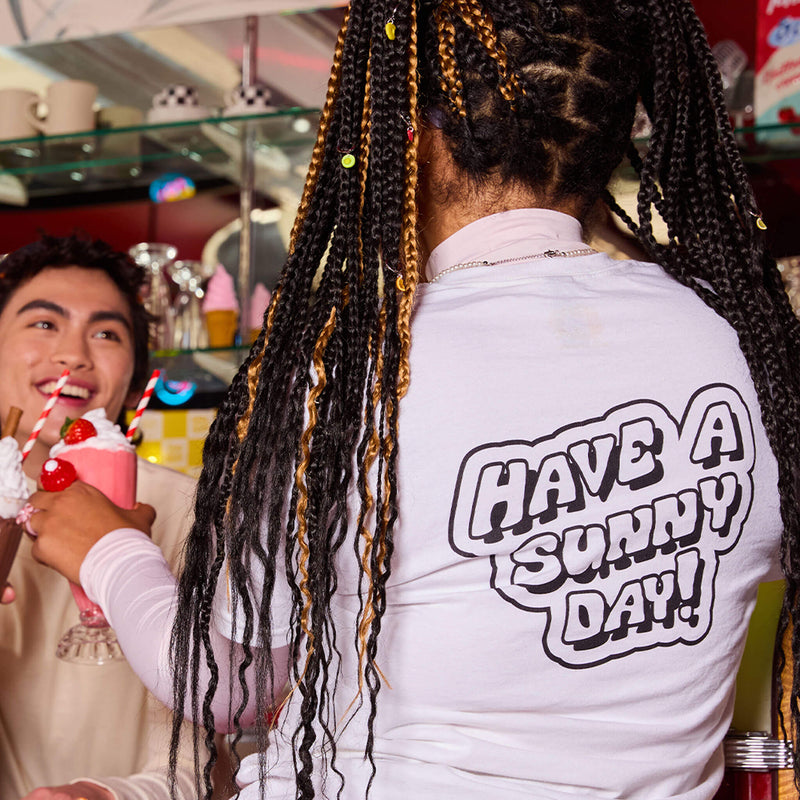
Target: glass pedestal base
(94, 646)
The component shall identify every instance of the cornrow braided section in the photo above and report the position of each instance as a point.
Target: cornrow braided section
(476, 17)
(450, 78)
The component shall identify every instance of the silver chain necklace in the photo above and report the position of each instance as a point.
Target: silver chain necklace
(584, 251)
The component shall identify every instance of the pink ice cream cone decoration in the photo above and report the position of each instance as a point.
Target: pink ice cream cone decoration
(221, 308)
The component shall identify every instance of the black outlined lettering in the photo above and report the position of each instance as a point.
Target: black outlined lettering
(612, 527)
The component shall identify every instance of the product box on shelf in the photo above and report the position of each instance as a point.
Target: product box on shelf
(777, 79)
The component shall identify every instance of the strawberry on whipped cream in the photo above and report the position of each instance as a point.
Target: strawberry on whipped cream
(109, 436)
(107, 461)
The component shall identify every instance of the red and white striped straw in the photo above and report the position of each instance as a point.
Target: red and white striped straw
(148, 393)
(48, 407)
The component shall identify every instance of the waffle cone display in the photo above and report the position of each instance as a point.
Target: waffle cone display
(221, 327)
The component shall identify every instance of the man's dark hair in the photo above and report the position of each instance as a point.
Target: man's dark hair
(77, 250)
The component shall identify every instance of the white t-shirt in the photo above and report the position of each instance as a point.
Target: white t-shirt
(587, 503)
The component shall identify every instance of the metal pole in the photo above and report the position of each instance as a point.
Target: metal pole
(247, 181)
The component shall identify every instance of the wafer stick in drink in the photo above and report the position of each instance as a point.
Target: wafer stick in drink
(48, 407)
(12, 422)
(10, 537)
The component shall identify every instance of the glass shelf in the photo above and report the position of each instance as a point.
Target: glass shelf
(207, 149)
(202, 149)
(773, 142)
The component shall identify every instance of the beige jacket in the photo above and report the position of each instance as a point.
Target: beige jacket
(60, 722)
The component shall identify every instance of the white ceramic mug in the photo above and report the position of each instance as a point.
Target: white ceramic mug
(69, 108)
(14, 104)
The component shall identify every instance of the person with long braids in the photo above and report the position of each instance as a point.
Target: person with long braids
(489, 506)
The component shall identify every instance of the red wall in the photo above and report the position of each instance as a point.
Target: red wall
(729, 19)
(187, 224)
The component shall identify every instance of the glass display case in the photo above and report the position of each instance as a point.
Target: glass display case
(102, 160)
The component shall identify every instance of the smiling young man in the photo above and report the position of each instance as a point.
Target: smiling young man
(71, 318)
(70, 731)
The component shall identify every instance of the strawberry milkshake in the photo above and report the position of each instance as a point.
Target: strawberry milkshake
(94, 450)
(101, 455)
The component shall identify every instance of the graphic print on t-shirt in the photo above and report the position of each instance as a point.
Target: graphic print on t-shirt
(612, 527)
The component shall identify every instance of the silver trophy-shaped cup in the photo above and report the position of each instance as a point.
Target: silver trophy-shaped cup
(156, 258)
(189, 330)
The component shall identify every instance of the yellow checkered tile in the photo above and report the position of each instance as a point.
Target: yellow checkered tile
(175, 437)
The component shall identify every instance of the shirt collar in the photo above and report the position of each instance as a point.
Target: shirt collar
(509, 234)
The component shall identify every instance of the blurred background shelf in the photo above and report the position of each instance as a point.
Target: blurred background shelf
(118, 159)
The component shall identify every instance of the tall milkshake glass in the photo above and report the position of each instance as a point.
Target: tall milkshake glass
(108, 464)
(13, 493)
(10, 532)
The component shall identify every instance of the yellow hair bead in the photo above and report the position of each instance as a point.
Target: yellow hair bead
(391, 30)
(348, 160)
(760, 224)
(400, 283)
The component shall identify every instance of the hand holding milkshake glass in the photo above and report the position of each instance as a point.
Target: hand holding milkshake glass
(106, 459)
(103, 457)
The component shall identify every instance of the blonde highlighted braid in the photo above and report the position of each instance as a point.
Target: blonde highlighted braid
(481, 23)
(325, 120)
(410, 253)
(450, 78)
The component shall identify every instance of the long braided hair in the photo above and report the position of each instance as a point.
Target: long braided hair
(300, 465)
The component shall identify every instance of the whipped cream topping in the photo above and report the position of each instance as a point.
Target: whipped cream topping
(13, 484)
(109, 435)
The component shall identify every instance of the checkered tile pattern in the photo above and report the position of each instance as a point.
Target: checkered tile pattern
(175, 437)
(256, 96)
(253, 95)
(176, 95)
